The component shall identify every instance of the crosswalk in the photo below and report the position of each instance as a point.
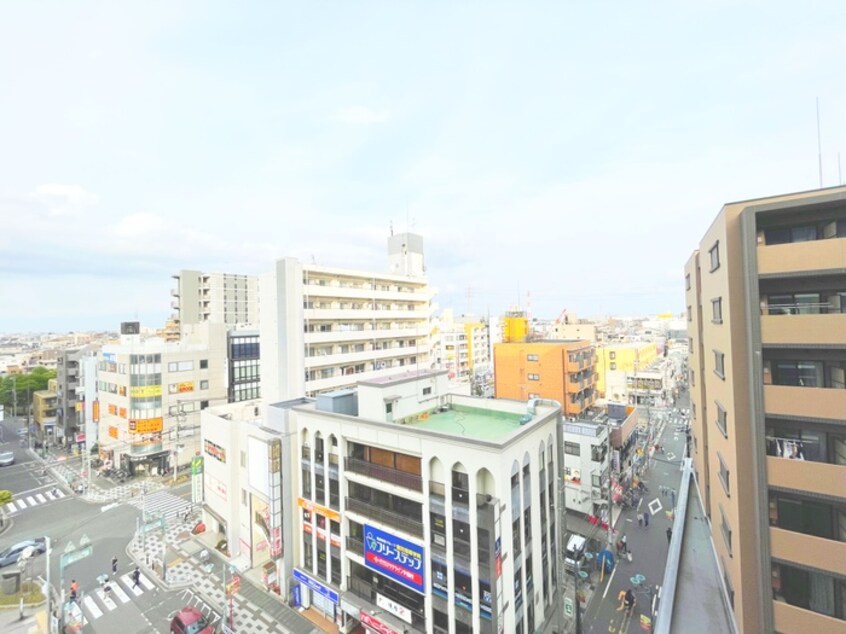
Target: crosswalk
(162, 502)
(34, 500)
(97, 603)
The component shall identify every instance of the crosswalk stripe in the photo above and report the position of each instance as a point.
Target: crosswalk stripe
(146, 582)
(49, 495)
(127, 581)
(60, 493)
(21, 504)
(107, 601)
(119, 593)
(40, 498)
(11, 507)
(90, 604)
(30, 500)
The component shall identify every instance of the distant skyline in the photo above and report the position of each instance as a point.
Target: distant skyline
(576, 153)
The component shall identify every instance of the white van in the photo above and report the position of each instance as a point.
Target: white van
(575, 552)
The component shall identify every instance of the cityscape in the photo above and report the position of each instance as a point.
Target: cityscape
(361, 333)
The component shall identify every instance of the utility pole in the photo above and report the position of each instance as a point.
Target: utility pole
(14, 396)
(562, 526)
(28, 410)
(610, 481)
(49, 589)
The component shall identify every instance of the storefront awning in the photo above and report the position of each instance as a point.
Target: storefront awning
(148, 456)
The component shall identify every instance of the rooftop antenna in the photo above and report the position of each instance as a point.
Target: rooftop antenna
(391, 225)
(839, 175)
(819, 141)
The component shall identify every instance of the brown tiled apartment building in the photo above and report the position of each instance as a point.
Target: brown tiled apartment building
(766, 310)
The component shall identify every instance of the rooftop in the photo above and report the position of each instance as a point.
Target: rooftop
(473, 422)
(405, 377)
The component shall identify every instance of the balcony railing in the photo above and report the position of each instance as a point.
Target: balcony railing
(386, 474)
(403, 522)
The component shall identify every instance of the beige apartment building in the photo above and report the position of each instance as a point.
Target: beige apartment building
(766, 310)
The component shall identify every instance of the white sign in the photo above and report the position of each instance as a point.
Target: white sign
(568, 606)
(394, 608)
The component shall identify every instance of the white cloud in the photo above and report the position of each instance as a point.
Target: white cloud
(64, 200)
(138, 225)
(361, 115)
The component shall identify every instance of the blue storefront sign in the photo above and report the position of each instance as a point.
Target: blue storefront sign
(296, 600)
(394, 557)
(316, 586)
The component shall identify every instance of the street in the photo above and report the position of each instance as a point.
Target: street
(648, 545)
(44, 507)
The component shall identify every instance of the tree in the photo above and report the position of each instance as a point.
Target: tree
(5, 496)
(35, 380)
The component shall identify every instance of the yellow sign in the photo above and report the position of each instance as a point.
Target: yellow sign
(146, 425)
(113, 431)
(188, 386)
(140, 391)
(665, 316)
(311, 507)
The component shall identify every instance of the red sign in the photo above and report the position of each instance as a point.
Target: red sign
(375, 624)
(79, 438)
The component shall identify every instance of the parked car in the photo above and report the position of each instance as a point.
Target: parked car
(190, 620)
(13, 553)
(7, 458)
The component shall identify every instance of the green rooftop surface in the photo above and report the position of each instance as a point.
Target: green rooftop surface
(471, 422)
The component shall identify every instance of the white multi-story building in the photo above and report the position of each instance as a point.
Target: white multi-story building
(411, 509)
(586, 467)
(219, 298)
(325, 328)
(150, 393)
(464, 347)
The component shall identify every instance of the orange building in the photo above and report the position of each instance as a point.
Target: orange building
(564, 371)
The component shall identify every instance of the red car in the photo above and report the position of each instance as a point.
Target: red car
(190, 621)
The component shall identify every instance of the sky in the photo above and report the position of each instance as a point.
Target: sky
(552, 154)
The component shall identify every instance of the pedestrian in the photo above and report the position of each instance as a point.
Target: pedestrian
(136, 577)
(646, 519)
(625, 545)
(640, 520)
(669, 534)
(114, 565)
(74, 590)
(673, 498)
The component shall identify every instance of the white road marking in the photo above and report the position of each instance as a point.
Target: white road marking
(21, 504)
(119, 593)
(31, 500)
(91, 605)
(107, 601)
(127, 581)
(11, 507)
(40, 498)
(146, 582)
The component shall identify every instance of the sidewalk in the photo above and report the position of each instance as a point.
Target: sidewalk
(34, 621)
(255, 610)
(648, 545)
(70, 470)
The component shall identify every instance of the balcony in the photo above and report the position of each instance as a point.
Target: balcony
(802, 257)
(810, 330)
(395, 520)
(808, 402)
(362, 314)
(802, 475)
(385, 474)
(791, 619)
(807, 550)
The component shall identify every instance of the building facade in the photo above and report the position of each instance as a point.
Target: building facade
(219, 298)
(564, 371)
(68, 375)
(243, 365)
(765, 294)
(324, 329)
(150, 394)
(616, 360)
(413, 509)
(44, 408)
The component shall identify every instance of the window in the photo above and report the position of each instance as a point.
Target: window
(534, 377)
(717, 310)
(572, 448)
(613, 366)
(724, 475)
(692, 378)
(532, 357)
(725, 529)
(204, 364)
(720, 364)
(204, 385)
(715, 256)
(244, 459)
(612, 355)
(243, 497)
(689, 313)
(204, 404)
(389, 408)
(722, 419)
(427, 391)
(687, 282)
